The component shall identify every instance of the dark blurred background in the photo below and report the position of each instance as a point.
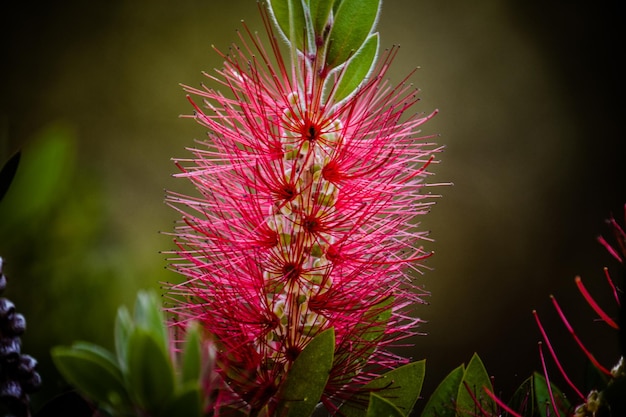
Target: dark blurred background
(531, 100)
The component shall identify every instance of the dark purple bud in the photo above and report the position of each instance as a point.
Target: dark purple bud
(10, 348)
(16, 324)
(6, 307)
(10, 389)
(32, 384)
(3, 282)
(26, 365)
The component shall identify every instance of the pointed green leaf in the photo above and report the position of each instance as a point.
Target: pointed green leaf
(441, 402)
(542, 396)
(354, 21)
(149, 316)
(304, 384)
(357, 68)
(123, 328)
(187, 403)
(289, 16)
(380, 407)
(92, 372)
(192, 354)
(150, 377)
(320, 12)
(475, 379)
(401, 387)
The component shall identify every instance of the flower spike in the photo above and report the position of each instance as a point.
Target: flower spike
(309, 186)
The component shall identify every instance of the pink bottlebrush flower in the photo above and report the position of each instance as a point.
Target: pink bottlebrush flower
(305, 219)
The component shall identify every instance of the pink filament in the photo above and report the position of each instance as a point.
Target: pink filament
(605, 317)
(556, 360)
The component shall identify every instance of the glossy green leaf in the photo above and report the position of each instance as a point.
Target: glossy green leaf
(475, 379)
(380, 407)
(441, 402)
(150, 377)
(123, 328)
(305, 382)
(92, 372)
(354, 21)
(401, 387)
(8, 173)
(187, 403)
(320, 13)
(192, 354)
(357, 68)
(290, 18)
(543, 401)
(149, 316)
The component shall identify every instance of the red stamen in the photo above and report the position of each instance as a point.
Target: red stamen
(612, 285)
(556, 359)
(605, 317)
(501, 403)
(548, 384)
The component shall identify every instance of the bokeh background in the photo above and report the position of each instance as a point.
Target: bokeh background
(531, 100)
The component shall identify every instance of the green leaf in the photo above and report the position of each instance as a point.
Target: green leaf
(357, 68)
(150, 377)
(475, 379)
(149, 316)
(305, 382)
(401, 387)
(289, 16)
(123, 328)
(92, 372)
(441, 402)
(380, 407)
(320, 12)
(192, 354)
(354, 21)
(187, 403)
(542, 397)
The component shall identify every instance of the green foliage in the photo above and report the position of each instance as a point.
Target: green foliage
(400, 387)
(471, 393)
(306, 380)
(353, 22)
(441, 402)
(358, 68)
(320, 14)
(380, 407)
(45, 168)
(337, 32)
(542, 401)
(462, 393)
(290, 17)
(142, 378)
